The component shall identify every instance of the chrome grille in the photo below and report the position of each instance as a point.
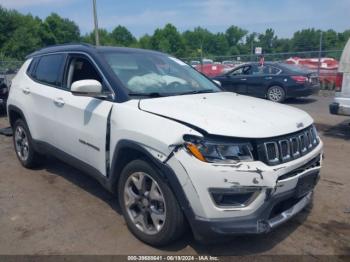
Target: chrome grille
(272, 152)
(283, 149)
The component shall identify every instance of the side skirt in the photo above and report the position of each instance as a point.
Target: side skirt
(46, 148)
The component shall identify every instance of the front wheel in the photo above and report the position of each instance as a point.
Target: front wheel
(276, 94)
(150, 209)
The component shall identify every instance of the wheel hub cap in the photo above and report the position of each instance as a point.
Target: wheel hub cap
(275, 94)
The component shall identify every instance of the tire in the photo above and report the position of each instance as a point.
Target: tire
(276, 94)
(150, 208)
(23, 145)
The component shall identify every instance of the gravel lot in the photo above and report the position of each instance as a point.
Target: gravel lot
(59, 210)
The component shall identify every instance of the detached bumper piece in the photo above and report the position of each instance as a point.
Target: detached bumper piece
(276, 210)
(339, 109)
(289, 213)
(334, 108)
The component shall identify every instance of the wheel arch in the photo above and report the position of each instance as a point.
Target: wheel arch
(125, 152)
(276, 84)
(128, 150)
(14, 113)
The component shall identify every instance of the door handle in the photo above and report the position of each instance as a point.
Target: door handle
(268, 77)
(59, 102)
(26, 91)
(243, 79)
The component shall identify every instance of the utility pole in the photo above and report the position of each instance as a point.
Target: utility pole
(251, 51)
(320, 55)
(97, 39)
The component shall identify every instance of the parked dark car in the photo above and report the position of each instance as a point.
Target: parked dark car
(3, 92)
(274, 81)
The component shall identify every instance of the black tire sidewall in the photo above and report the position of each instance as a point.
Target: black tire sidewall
(174, 223)
(283, 91)
(31, 161)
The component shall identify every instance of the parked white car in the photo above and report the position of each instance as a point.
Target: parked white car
(176, 150)
(341, 104)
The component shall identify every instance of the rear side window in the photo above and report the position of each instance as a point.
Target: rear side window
(48, 69)
(31, 67)
(270, 70)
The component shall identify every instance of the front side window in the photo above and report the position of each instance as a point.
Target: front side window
(244, 70)
(145, 74)
(265, 70)
(80, 68)
(49, 68)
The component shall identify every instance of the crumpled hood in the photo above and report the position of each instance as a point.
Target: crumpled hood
(230, 114)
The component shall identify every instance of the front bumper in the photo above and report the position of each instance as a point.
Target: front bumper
(261, 221)
(278, 186)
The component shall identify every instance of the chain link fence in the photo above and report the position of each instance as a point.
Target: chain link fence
(277, 57)
(324, 62)
(8, 70)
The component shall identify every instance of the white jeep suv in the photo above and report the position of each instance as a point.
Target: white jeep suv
(175, 149)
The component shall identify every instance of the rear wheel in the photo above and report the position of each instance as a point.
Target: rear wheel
(24, 145)
(276, 94)
(149, 207)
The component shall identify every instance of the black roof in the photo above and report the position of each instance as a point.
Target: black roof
(88, 48)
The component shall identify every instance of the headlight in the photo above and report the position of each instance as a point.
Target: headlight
(215, 151)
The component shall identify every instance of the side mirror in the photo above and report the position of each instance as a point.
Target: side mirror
(218, 83)
(88, 87)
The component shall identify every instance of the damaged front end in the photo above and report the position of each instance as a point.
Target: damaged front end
(233, 190)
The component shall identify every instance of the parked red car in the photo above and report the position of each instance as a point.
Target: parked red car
(328, 68)
(211, 70)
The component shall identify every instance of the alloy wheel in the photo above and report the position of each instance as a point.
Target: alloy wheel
(21, 143)
(275, 94)
(145, 203)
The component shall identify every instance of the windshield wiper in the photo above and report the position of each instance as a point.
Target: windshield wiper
(157, 94)
(198, 92)
(153, 94)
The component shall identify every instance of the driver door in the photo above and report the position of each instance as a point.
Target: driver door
(236, 80)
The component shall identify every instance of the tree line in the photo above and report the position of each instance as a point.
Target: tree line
(22, 34)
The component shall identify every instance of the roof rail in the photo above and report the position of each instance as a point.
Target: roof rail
(60, 45)
(67, 44)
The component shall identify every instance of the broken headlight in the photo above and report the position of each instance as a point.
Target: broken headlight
(216, 151)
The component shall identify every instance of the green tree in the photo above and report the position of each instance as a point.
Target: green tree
(267, 40)
(145, 42)
(122, 36)
(197, 41)
(306, 40)
(9, 22)
(234, 35)
(104, 37)
(168, 40)
(62, 29)
(25, 38)
(218, 45)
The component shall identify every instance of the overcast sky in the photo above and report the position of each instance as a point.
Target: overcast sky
(144, 16)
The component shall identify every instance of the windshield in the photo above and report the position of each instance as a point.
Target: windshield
(147, 74)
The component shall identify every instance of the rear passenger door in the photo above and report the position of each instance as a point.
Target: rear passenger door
(82, 121)
(39, 94)
(261, 78)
